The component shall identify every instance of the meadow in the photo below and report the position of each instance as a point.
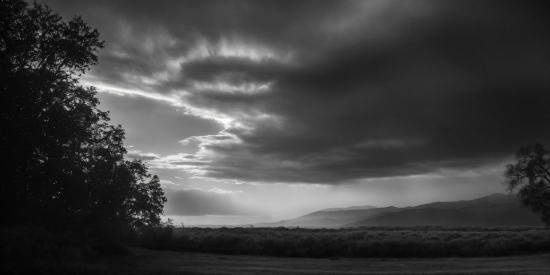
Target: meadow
(373, 242)
(146, 261)
(376, 250)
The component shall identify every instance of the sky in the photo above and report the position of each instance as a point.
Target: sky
(257, 111)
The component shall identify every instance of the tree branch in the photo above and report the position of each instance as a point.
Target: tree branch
(545, 171)
(60, 65)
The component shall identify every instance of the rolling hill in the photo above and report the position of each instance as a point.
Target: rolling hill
(479, 214)
(493, 210)
(331, 218)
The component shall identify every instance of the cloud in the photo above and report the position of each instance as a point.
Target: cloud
(197, 202)
(167, 182)
(137, 154)
(334, 91)
(221, 191)
(152, 126)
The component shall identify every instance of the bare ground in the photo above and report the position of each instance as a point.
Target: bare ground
(146, 261)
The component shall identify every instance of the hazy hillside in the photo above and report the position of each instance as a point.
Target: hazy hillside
(494, 198)
(332, 218)
(492, 210)
(480, 215)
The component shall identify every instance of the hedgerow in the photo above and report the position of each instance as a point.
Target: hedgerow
(356, 242)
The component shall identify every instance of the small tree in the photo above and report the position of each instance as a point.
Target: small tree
(63, 163)
(531, 176)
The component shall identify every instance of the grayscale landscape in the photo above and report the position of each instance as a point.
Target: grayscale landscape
(275, 137)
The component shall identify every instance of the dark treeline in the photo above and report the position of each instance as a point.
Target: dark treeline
(361, 242)
(63, 163)
(65, 182)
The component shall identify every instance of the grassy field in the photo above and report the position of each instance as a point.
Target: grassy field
(376, 242)
(34, 250)
(146, 261)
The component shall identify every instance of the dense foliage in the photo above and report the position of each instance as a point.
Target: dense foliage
(63, 164)
(531, 176)
(360, 242)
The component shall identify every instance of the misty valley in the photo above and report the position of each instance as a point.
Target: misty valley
(495, 225)
(493, 210)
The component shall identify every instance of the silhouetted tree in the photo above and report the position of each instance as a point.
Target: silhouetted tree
(63, 164)
(531, 175)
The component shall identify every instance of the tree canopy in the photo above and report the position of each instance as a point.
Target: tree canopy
(63, 162)
(530, 175)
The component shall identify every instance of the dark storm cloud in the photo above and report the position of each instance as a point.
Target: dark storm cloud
(352, 89)
(196, 202)
(455, 92)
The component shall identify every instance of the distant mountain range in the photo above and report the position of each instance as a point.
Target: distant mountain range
(350, 208)
(493, 210)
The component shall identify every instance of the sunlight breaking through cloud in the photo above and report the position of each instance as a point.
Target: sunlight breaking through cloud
(244, 88)
(353, 90)
(235, 48)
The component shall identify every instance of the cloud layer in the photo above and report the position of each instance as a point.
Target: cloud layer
(333, 91)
